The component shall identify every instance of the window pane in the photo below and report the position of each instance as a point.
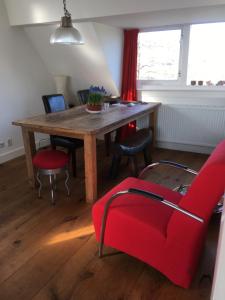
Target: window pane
(207, 53)
(158, 55)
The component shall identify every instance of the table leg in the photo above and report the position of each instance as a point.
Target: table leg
(90, 160)
(30, 150)
(152, 125)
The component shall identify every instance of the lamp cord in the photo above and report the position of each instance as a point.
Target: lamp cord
(67, 14)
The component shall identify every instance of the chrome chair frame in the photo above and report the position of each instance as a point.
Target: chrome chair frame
(171, 164)
(168, 163)
(150, 195)
(180, 189)
(146, 194)
(50, 173)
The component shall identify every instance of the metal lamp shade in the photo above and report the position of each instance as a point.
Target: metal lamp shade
(66, 34)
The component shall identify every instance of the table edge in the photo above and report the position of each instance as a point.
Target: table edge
(39, 128)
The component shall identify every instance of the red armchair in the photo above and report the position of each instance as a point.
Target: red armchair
(159, 226)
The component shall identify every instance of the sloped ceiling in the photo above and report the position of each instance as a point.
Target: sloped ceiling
(43, 11)
(166, 17)
(97, 62)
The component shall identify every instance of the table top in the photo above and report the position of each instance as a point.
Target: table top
(77, 121)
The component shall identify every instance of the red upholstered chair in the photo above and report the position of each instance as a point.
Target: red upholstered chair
(51, 163)
(159, 226)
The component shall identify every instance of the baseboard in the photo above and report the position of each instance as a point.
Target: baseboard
(205, 149)
(19, 151)
(9, 155)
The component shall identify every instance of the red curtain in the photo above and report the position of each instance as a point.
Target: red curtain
(129, 76)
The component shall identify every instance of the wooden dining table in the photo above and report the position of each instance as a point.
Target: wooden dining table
(78, 123)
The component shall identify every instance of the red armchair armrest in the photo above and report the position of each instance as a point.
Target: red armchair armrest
(146, 194)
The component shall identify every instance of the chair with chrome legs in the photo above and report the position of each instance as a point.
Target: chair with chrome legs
(159, 226)
(51, 163)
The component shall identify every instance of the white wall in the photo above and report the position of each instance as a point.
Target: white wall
(42, 11)
(23, 79)
(88, 64)
(187, 95)
(111, 42)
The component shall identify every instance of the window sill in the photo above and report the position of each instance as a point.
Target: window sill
(183, 88)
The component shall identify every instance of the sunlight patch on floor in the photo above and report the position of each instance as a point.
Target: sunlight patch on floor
(66, 236)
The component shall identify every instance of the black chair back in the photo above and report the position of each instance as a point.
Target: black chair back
(54, 103)
(83, 96)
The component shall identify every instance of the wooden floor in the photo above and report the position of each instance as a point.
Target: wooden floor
(50, 252)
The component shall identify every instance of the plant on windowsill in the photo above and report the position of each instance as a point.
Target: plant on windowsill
(95, 98)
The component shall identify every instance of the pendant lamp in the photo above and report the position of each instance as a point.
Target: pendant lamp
(66, 34)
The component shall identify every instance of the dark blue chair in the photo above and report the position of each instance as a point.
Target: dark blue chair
(56, 103)
(83, 96)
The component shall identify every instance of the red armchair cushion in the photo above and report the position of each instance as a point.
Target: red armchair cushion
(50, 159)
(137, 225)
(135, 207)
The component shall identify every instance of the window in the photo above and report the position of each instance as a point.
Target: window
(182, 56)
(206, 60)
(159, 55)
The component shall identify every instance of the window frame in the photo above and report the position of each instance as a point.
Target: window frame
(181, 83)
(183, 58)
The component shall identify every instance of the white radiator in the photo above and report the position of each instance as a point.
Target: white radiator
(189, 127)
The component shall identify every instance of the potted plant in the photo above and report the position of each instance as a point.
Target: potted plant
(95, 98)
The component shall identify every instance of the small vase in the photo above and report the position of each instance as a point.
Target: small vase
(94, 107)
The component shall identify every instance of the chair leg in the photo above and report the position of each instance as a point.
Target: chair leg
(55, 187)
(128, 161)
(74, 163)
(134, 165)
(40, 184)
(115, 166)
(66, 182)
(118, 135)
(147, 156)
(52, 189)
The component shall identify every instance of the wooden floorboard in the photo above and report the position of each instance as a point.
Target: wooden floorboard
(50, 253)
